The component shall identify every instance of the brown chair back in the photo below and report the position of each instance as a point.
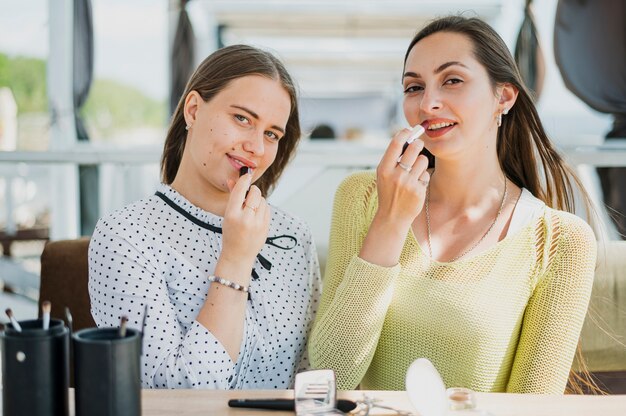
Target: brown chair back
(64, 279)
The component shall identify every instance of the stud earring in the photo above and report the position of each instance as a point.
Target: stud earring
(187, 127)
(505, 111)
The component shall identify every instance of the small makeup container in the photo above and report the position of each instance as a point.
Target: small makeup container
(462, 401)
(460, 398)
(107, 372)
(35, 367)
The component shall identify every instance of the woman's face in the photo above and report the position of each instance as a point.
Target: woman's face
(240, 126)
(449, 93)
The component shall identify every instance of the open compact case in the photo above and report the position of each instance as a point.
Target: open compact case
(316, 393)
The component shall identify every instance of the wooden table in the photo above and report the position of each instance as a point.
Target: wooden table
(211, 402)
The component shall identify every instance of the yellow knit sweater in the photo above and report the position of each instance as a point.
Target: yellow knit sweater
(507, 319)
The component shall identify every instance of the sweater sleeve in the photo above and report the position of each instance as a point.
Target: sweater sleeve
(556, 310)
(122, 279)
(356, 294)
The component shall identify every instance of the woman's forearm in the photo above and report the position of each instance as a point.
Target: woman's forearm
(384, 241)
(224, 310)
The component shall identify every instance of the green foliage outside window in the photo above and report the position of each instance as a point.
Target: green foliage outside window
(111, 105)
(27, 79)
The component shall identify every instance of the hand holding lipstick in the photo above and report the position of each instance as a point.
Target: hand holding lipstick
(416, 132)
(402, 177)
(245, 228)
(401, 182)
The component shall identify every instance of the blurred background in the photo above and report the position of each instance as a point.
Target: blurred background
(87, 88)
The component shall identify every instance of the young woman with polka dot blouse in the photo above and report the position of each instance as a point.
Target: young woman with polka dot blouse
(230, 283)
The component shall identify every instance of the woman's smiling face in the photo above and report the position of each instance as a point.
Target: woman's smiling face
(449, 93)
(240, 126)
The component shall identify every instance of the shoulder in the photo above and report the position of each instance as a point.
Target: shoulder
(285, 222)
(358, 187)
(569, 228)
(128, 219)
(570, 240)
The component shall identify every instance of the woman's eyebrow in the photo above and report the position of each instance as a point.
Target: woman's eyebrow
(439, 69)
(256, 116)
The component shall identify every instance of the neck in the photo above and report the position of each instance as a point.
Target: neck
(466, 184)
(199, 193)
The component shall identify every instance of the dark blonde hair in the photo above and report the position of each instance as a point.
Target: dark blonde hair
(521, 139)
(212, 76)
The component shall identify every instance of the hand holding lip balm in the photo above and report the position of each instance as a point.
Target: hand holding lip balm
(416, 131)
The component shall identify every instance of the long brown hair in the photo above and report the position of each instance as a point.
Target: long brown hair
(212, 76)
(525, 153)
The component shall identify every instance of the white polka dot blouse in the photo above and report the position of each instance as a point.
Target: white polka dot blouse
(160, 251)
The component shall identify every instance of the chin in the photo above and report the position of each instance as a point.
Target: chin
(443, 151)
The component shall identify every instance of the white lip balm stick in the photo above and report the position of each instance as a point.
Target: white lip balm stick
(416, 131)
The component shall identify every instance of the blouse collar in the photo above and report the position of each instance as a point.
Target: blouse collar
(190, 208)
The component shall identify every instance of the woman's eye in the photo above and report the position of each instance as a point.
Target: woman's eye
(452, 81)
(243, 119)
(413, 88)
(272, 135)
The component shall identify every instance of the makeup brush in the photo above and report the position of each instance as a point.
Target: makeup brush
(284, 404)
(16, 325)
(122, 331)
(46, 306)
(68, 318)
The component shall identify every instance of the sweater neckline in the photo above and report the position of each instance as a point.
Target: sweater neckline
(519, 213)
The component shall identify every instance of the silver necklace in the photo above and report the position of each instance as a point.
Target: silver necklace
(430, 250)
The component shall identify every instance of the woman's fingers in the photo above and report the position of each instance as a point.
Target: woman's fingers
(399, 154)
(390, 158)
(254, 200)
(402, 178)
(246, 223)
(424, 178)
(238, 192)
(419, 170)
(410, 156)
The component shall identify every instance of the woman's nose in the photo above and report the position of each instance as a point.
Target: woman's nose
(431, 100)
(254, 143)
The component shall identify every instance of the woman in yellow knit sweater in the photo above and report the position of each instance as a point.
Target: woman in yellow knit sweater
(473, 262)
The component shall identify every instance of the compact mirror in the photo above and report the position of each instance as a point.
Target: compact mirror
(316, 393)
(425, 388)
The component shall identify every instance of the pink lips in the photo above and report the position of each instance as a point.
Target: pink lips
(238, 162)
(438, 132)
